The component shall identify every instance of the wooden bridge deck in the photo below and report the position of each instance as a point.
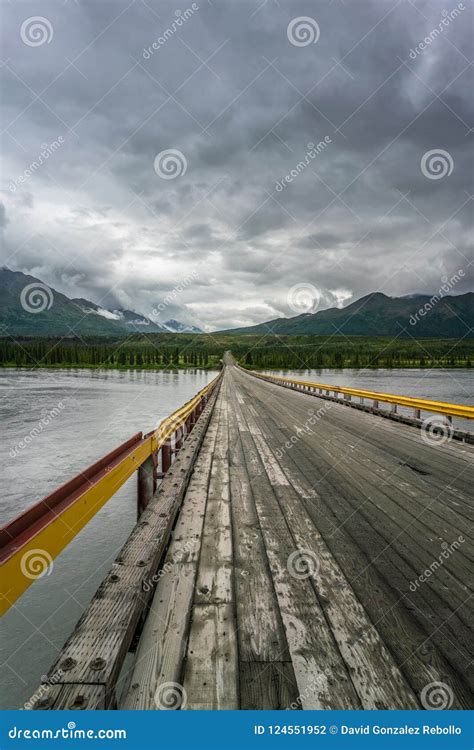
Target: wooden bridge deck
(291, 575)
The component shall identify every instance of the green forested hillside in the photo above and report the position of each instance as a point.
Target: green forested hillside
(379, 315)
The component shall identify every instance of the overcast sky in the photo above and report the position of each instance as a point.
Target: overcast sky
(239, 89)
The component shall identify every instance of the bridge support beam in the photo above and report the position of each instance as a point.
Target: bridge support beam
(146, 484)
(165, 457)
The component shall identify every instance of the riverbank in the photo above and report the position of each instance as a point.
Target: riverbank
(253, 368)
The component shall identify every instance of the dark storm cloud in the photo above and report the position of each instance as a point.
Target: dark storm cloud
(255, 210)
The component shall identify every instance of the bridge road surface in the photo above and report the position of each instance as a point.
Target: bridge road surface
(291, 579)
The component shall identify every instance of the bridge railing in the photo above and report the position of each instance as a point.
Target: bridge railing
(30, 542)
(345, 395)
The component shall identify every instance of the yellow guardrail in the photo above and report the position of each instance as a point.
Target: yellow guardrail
(176, 419)
(418, 404)
(31, 541)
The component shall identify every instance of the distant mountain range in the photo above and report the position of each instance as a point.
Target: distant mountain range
(28, 307)
(379, 315)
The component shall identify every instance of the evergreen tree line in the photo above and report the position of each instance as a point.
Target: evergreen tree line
(205, 351)
(340, 357)
(47, 354)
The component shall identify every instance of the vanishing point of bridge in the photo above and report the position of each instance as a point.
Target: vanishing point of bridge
(295, 554)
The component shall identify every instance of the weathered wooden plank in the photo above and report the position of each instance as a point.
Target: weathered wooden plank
(319, 670)
(214, 582)
(211, 669)
(162, 647)
(266, 685)
(211, 673)
(260, 630)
